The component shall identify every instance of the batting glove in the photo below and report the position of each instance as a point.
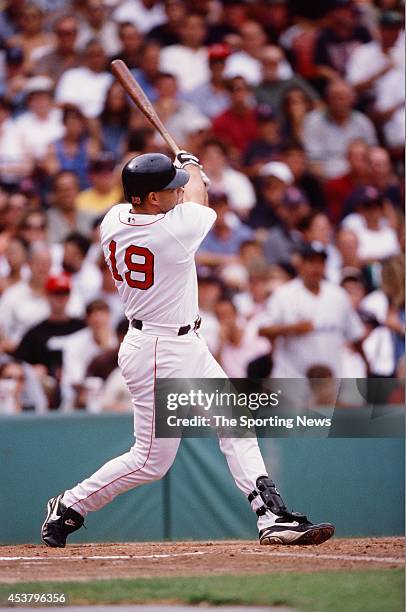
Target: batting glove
(184, 158)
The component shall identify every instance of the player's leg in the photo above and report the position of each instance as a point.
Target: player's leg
(276, 525)
(149, 459)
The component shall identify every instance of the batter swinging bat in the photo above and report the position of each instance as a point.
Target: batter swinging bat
(126, 79)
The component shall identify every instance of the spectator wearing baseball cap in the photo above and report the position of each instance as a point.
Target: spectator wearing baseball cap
(336, 41)
(317, 227)
(377, 239)
(38, 346)
(377, 70)
(14, 80)
(320, 324)
(274, 178)
(284, 238)
(213, 98)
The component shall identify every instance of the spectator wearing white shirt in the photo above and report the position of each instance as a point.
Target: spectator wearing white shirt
(25, 303)
(310, 320)
(15, 160)
(42, 123)
(83, 346)
(210, 292)
(247, 62)
(144, 14)
(328, 133)
(224, 179)
(376, 238)
(97, 24)
(188, 61)
(86, 87)
(378, 69)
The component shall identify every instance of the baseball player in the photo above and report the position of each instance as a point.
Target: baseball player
(149, 243)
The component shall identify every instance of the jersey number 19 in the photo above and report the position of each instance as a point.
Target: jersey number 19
(146, 267)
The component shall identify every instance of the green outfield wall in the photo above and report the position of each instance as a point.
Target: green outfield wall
(358, 484)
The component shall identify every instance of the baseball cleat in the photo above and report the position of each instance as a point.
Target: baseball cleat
(292, 528)
(60, 521)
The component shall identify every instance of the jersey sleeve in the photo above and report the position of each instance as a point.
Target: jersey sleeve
(190, 223)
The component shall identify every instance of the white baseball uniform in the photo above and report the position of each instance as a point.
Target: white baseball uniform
(151, 258)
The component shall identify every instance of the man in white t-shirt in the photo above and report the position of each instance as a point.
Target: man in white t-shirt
(188, 61)
(378, 69)
(144, 14)
(42, 123)
(150, 243)
(87, 85)
(310, 319)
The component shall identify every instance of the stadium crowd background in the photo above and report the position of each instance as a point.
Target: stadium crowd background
(296, 110)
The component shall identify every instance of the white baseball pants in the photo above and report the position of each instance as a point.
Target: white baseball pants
(143, 358)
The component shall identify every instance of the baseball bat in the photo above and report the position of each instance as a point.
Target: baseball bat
(128, 82)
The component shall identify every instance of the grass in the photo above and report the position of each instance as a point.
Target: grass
(333, 591)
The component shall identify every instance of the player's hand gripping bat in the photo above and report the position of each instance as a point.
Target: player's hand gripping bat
(126, 79)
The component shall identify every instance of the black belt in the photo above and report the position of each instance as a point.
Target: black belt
(182, 331)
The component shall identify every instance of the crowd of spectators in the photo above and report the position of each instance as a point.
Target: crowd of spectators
(296, 111)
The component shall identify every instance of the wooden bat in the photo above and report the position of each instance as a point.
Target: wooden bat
(127, 81)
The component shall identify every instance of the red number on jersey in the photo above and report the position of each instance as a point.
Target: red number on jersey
(146, 267)
(114, 271)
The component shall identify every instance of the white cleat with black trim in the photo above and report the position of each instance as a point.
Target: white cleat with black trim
(292, 528)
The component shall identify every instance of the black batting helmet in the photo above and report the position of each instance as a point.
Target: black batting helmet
(150, 172)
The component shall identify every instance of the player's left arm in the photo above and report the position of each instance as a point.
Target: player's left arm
(195, 189)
